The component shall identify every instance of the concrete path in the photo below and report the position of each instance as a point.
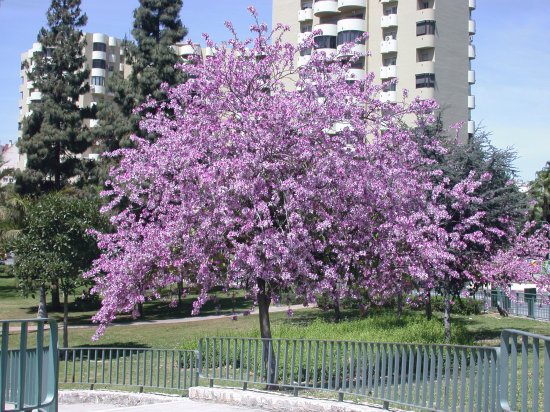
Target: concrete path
(179, 406)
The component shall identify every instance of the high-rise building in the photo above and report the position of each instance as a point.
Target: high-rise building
(104, 57)
(425, 44)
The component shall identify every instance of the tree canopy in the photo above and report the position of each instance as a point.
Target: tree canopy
(54, 135)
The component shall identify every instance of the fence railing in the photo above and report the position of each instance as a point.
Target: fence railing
(431, 377)
(529, 305)
(28, 375)
(525, 371)
(160, 369)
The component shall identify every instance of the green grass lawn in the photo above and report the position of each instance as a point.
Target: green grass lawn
(379, 325)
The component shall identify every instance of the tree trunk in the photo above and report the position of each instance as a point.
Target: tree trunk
(399, 305)
(42, 311)
(57, 172)
(429, 304)
(56, 302)
(265, 333)
(447, 310)
(337, 312)
(65, 320)
(139, 307)
(180, 292)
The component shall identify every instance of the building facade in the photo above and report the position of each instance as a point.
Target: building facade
(104, 57)
(425, 45)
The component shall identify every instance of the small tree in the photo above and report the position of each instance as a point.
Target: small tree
(55, 247)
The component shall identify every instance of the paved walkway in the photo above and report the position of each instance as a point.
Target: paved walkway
(179, 406)
(15, 328)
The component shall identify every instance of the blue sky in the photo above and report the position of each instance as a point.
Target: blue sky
(512, 65)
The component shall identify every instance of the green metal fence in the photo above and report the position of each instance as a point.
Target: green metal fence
(525, 371)
(160, 369)
(430, 377)
(28, 375)
(529, 305)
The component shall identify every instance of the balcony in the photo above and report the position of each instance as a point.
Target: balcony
(347, 5)
(112, 41)
(425, 67)
(305, 15)
(351, 23)
(327, 29)
(388, 21)
(388, 46)
(471, 76)
(30, 85)
(425, 14)
(388, 72)
(472, 27)
(471, 51)
(98, 89)
(100, 38)
(35, 96)
(356, 49)
(98, 72)
(325, 8)
(388, 1)
(425, 41)
(36, 48)
(471, 127)
(356, 74)
(426, 93)
(471, 102)
(303, 60)
(187, 50)
(99, 55)
(209, 52)
(390, 97)
(472, 4)
(303, 36)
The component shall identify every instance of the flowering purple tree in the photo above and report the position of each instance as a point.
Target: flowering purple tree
(266, 176)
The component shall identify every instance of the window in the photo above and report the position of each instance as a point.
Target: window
(390, 10)
(306, 5)
(425, 4)
(390, 61)
(99, 64)
(325, 42)
(350, 36)
(305, 52)
(98, 81)
(425, 55)
(425, 27)
(19, 126)
(425, 80)
(390, 87)
(304, 28)
(99, 47)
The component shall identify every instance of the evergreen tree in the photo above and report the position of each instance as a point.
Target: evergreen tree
(157, 27)
(53, 135)
(539, 192)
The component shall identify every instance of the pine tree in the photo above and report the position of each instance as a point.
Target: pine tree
(157, 27)
(54, 135)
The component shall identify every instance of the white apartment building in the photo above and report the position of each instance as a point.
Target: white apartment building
(104, 56)
(426, 45)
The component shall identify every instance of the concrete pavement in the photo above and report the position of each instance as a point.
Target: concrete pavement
(179, 406)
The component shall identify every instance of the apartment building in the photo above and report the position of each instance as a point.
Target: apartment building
(426, 45)
(104, 57)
